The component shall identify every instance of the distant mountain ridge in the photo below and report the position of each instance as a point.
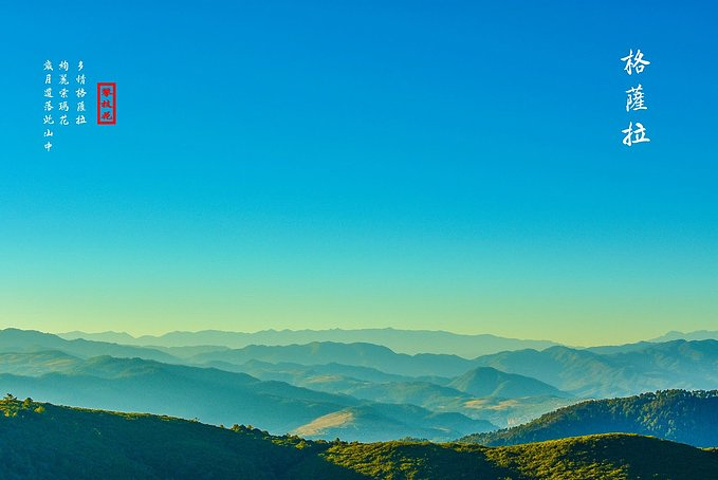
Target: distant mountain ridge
(691, 365)
(357, 354)
(697, 335)
(400, 341)
(16, 340)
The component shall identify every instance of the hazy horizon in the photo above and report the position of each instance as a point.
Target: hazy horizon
(158, 334)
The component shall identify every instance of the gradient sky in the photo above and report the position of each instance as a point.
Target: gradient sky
(446, 165)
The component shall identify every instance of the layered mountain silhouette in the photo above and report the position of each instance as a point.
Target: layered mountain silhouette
(400, 341)
(216, 396)
(697, 335)
(357, 354)
(15, 340)
(431, 392)
(647, 367)
(338, 389)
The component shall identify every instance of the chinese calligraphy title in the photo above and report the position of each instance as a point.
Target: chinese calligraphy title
(635, 100)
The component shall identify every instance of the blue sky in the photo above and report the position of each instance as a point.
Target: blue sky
(441, 165)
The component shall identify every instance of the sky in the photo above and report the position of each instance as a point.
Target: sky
(447, 165)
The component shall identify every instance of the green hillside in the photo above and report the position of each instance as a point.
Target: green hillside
(678, 415)
(610, 457)
(43, 441)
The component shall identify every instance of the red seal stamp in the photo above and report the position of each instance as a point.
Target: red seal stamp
(106, 103)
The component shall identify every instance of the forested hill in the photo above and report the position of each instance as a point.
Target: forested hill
(43, 441)
(677, 415)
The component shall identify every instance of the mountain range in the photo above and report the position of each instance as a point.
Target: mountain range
(44, 441)
(400, 341)
(647, 367)
(336, 389)
(697, 335)
(522, 414)
(219, 397)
